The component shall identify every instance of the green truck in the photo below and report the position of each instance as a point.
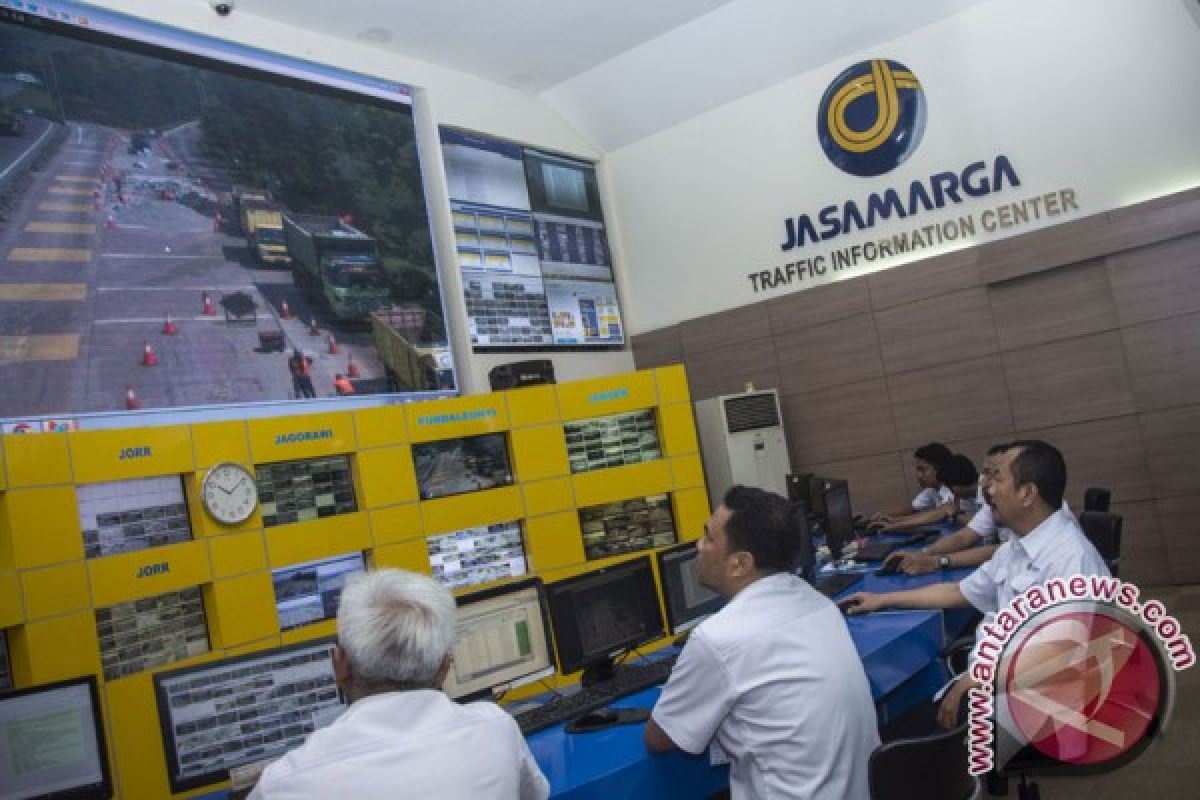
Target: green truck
(11, 123)
(339, 262)
(261, 220)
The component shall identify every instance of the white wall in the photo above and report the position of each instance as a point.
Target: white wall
(445, 97)
(1095, 95)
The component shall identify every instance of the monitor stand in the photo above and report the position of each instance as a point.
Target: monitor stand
(598, 671)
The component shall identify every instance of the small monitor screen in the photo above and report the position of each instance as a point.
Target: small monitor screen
(601, 613)
(839, 526)
(501, 640)
(612, 441)
(305, 490)
(247, 708)
(124, 516)
(688, 601)
(457, 466)
(138, 635)
(799, 487)
(477, 555)
(310, 592)
(559, 185)
(52, 742)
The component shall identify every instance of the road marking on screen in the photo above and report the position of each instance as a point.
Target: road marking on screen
(61, 227)
(39, 347)
(70, 190)
(146, 320)
(204, 288)
(17, 292)
(155, 256)
(87, 207)
(49, 254)
(75, 178)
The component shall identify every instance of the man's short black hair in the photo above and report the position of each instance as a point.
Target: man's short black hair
(997, 449)
(935, 454)
(762, 524)
(1041, 464)
(958, 471)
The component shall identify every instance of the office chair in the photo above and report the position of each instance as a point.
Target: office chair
(1104, 532)
(1096, 499)
(931, 767)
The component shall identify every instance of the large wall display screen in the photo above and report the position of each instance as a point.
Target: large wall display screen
(146, 633)
(456, 466)
(182, 209)
(627, 525)
(123, 516)
(477, 555)
(531, 245)
(612, 441)
(312, 591)
(248, 708)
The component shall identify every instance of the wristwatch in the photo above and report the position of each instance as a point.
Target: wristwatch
(943, 562)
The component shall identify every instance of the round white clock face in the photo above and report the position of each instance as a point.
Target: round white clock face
(229, 493)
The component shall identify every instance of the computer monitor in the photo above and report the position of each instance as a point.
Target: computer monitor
(501, 641)
(52, 742)
(467, 464)
(688, 601)
(600, 614)
(481, 554)
(816, 495)
(799, 487)
(839, 518)
(804, 559)
(310, 592)
(248, 708)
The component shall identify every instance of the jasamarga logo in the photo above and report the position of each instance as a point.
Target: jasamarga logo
(1077, 673)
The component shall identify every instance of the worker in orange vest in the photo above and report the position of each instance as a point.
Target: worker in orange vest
(342, 384)
(302, 384)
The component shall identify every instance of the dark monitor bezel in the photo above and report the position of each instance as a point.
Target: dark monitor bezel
(105, 788)
(674, 625)
(793, 479)
(497, 590)
(166, 732)
(581, 660)
(508, 458)
(804, 558)
(830, 539)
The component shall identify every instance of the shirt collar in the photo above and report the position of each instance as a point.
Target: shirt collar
(1039, 540)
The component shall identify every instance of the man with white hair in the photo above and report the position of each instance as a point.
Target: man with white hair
(402, 737)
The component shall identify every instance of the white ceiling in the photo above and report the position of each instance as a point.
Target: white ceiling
(616, 70)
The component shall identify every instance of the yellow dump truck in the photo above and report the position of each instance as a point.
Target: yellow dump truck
(261, 219)
(394, 329)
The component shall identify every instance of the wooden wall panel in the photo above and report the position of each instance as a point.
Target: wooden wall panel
(962, 400)
(1164, 361)
(1143, 552)
(1060, 304)
(728, 328)
(1158, 281)
(1108, 453)
(924, 279)
(875, 481)
(840, 422)
(1156, 220)
(658, 348)
(951, 327)
(1068, 381)
(1172, 440)
(726, 370)
(1068, 243)
(845, 351)
(811, 307)
(1177, 516)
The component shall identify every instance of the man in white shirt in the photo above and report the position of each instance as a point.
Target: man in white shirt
(935, 501)
(772, 683)
(1026, 492)
(402, 737)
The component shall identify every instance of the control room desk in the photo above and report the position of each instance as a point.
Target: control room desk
(896, 648)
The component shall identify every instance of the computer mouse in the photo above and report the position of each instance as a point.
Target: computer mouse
(890, 567)
(606, 718)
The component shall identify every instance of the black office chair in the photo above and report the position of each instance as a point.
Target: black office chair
(1096, 499)
(1104, 532)
(932, 767)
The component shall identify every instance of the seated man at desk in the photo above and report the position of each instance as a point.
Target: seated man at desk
(1026, 491)
(402, 736)
(935, 500)
(969, 546)
(771, 683)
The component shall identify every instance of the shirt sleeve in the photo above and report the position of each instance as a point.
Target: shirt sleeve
(980, 586)
(697, 697)
(533, 784)
(925, 501)
(983, 522)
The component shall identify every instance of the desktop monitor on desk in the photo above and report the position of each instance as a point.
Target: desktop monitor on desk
(501, 640)
(799, 487)
(688, 601)
(816, 495)
(839, 517)
(52, 742)
(598, 615)
(804, 558)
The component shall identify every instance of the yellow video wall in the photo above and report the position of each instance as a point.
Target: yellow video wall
(60, 588)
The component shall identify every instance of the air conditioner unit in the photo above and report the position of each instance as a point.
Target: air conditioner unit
(742, 441)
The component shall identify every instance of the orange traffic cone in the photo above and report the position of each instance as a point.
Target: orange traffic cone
(131, 401)
(284, 311)
(351, 366)
(148, 357)
(169, 327)
(209, 311)
(313, 330)
(332, 345)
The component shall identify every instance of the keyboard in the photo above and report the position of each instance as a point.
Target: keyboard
(876, 551)
(838, 582)
(627, 679)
